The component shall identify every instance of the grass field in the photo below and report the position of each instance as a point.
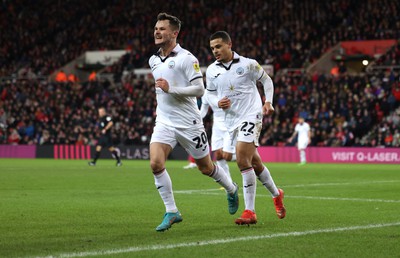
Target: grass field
(58, 208)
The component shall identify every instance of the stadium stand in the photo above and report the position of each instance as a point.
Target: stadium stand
(347, 110)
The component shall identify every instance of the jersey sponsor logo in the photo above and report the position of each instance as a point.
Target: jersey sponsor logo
(240, 70)
(196, 67)
(171, 64)
(231, 87)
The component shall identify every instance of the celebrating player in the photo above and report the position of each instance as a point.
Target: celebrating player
(178, 81)
(231, 79)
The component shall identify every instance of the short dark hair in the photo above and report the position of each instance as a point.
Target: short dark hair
(173, 21)
(221, 35)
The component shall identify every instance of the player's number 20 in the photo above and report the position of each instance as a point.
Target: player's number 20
(200, 140)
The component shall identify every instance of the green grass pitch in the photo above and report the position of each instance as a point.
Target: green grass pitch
(64, 208)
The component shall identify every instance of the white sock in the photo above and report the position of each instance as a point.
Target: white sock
(164, 186)
(266, 179)
(233, 157)
(220, 177)
(302, 156)
(249, 188)
(224, 165)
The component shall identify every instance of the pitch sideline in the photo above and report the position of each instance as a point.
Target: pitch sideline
(219, 241)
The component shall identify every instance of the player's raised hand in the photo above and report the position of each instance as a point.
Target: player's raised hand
(268, 109)
(162, 84)
(224, 103)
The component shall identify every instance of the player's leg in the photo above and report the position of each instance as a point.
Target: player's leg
(265, 178)
(221, 162)
(97, 153)
(195, 141)
(226, 150)
(244, 155)
(116, 155)
(302, 145)
(217, 143)
(161, 145)
(158, 156)
(247, 141)
(302, 156)
(207, 167)
(264, 175)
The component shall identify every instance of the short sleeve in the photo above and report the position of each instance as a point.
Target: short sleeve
(210, 80)
(191, 67)
(256, 70)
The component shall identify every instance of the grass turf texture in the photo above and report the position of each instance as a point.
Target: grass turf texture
(66, 208)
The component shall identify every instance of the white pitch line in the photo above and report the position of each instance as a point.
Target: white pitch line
(342, 183)
(212, 192)
(305, 185)
(219, 241)
(343, 199)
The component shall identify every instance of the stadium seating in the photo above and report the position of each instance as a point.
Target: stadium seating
(346, 110)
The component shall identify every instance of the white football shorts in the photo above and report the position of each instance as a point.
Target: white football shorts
(248, 131)
(193, 140)
(302, 144)
(220, 138)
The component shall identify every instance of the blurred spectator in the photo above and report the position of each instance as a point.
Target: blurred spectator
(343, 110)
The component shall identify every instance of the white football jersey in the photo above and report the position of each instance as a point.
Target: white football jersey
(220, 137)
(237, 81)
(218, 113)
(302, 131)
(179, 69)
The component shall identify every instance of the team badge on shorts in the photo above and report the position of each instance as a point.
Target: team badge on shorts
(171, 64)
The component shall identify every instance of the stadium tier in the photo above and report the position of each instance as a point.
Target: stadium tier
(343, 109)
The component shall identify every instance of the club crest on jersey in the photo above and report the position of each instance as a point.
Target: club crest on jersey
(196, 67)
(171, 64)
(240, 70)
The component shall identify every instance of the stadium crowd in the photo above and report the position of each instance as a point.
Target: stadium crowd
(40, 38)
(339, 109)
(342, 110)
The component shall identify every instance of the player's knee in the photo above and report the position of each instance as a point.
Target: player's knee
(206, 169)
(218, 155)
(156, 166)
(227, 156)
(243, 163)
(258, 167)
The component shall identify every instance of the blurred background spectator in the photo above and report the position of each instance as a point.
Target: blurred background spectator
(342, 110)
